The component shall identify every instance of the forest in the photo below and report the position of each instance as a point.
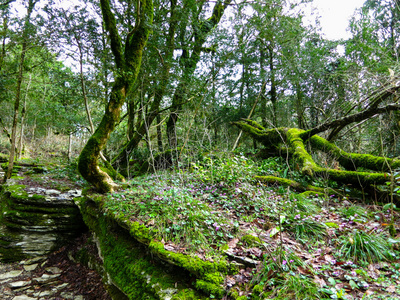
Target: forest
(231, 130)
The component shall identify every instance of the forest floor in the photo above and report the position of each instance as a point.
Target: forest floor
(289, 245)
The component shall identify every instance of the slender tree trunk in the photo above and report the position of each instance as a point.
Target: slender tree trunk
(23, 113)
(4, 38)
(299, 106)
(10, 167)
(159, 134)
(83, 87)
(189, 62)
(69, 147)
(272, 92)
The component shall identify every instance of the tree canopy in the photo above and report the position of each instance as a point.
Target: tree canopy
(175, 74)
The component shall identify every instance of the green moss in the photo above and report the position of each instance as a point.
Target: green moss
(355, 178)
(307, 194)
(258, 289)
(352, 161)
(108, 168)
(280, 181)
(210, 288)
(300, 154)
(250, 240)
(291, 183)
(139, 274)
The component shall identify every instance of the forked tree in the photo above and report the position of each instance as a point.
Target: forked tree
(127, 56)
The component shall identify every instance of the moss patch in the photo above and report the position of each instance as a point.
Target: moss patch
(141, 266)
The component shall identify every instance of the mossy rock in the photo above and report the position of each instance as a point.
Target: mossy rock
(250, 240)
(141, 267)
(30, 226)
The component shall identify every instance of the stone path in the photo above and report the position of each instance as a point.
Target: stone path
(22, 281)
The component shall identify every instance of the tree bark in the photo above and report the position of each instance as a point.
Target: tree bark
(371, 110)
(25, 33)
(127, 61)
(294, 144)
(189, 63)
(122, 159)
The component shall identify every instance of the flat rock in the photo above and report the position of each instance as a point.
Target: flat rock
(11, 274)
(71, 296)
(75, 193)
(30, 267)
(53, 270)
(45, 293)
(52, 192)
(33, 260)
(19, 284)
(23, 297)
(46, 278)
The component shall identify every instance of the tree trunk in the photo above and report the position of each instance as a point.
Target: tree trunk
(69, 147)
(127, 61)
(159, 135)
(189, 63)
(294, 145)
(25, 33)
(21, 133)
(122, 159)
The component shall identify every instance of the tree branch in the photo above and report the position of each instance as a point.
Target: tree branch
(115, 39)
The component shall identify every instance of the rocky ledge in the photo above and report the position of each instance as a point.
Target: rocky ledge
(53, 277)
(36, 221)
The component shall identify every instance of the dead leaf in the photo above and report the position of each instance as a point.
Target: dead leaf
(303, 271)
(255, 251)
(319, 281)
(230, 281)
(232, 243)
(391, 289)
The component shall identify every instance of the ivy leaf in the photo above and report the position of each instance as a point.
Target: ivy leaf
(331, 281)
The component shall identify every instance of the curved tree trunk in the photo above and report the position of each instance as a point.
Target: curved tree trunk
(128, 63)
(293, 140)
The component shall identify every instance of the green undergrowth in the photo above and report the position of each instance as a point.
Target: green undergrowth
(240, 238)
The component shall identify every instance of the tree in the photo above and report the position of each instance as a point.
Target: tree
(127, 59)
(192, 45)
(24, 46)
(160, 83)
(292, 142)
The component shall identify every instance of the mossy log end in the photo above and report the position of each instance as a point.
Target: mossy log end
(293, 140)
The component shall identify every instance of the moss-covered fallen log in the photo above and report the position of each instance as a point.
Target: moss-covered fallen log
(288, 183)
(293, 141)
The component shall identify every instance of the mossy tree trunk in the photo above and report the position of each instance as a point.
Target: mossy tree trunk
(292, 140)
(189, 62)
(128, 59)
(121, 160)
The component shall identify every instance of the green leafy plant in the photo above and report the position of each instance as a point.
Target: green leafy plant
(354, 212)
